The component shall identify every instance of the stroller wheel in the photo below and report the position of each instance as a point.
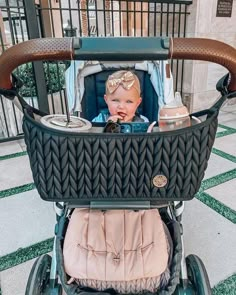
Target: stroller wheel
(38, 281)
(197, 275)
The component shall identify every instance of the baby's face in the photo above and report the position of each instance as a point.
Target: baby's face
(123, 102)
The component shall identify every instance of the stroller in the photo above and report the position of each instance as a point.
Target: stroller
(71, 169)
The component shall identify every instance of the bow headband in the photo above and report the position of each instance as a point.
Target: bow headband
(126, 79)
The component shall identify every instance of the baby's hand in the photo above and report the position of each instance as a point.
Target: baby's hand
(115, 118)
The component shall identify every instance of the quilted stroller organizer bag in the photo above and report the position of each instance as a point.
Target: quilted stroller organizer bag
(100, 166)
(156, 166)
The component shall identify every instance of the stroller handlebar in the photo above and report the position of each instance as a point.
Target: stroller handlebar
(113, 49)
(207, 50)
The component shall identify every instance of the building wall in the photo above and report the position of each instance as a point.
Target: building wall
(201, 77)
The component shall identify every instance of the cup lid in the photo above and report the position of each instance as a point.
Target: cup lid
(168, 112)
(59, 122)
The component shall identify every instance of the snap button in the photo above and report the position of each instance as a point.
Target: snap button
(116, 258)
(159, 181)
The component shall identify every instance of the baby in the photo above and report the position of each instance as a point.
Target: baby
(122, 98)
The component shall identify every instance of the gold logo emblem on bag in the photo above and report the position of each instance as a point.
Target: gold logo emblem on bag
(159, 180)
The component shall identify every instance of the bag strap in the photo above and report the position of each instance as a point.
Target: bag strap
(14, 92)
(214, 109)
(222, 86)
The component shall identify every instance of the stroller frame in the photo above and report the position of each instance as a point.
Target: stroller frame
(44, 275)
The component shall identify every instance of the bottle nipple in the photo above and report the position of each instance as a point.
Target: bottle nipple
(178, 99)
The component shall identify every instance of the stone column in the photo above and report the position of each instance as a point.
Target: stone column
(51, 18)
(135, 23)
(200, 77)
(139, 21)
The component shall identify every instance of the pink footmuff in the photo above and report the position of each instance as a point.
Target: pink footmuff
(121, 249)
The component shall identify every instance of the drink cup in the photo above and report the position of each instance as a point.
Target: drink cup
(171, 118)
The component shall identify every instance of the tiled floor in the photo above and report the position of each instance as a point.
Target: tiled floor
(209, 220)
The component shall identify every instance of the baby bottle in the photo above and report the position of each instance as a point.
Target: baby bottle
(174, 115)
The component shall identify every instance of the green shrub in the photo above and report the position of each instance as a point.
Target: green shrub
(54, 77)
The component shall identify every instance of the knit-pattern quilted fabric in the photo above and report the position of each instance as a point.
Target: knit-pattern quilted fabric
(105, 166)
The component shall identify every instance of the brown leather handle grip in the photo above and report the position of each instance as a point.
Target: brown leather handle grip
(208, 50)
(32, 50)
(62, 49)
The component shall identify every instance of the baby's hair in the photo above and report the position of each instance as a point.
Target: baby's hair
(126, 79)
